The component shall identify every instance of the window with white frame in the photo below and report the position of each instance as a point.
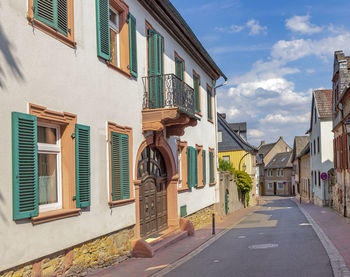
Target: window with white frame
(49, 167)
(219, 136)
(280, 186)
(269, 186)
(114, 28)
(281, 172)
(277, 172)
(226, 158)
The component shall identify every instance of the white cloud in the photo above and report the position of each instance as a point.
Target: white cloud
(310, 70)
(302, 25)
(255, 133)
(255, 27)
(278, 118)
(292, 50)
(267, 99)
(231, 29)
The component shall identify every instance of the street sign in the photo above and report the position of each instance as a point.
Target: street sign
(324, 176)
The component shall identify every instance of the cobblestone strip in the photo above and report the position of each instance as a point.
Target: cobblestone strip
(337, 261)
(189, 256)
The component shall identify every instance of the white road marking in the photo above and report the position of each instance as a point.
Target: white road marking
(242, 237)
(263, 246)
(305, 224)
(216, 261)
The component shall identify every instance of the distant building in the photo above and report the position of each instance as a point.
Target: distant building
(265, 153)
(278, 175)
(235, 149)
(340, 117)
(321, 136)
(304, 173)
(299, 144)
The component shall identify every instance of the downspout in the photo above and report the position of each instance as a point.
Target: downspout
(343, 172)
(216, 130)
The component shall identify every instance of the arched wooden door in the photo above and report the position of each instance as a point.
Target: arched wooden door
(153, 193)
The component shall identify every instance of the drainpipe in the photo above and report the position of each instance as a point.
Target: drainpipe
(340, 107)
(216, 125)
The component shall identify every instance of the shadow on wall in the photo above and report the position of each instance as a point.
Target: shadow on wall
(6, 49)
(2, 202)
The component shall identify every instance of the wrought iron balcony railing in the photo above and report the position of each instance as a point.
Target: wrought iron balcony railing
(168, 91)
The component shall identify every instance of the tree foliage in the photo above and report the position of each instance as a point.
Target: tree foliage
(225, 166)
(243, 181)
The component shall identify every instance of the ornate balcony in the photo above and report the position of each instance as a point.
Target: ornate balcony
(168, 103)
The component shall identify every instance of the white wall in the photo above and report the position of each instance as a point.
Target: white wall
(323, 161)
(41, 70)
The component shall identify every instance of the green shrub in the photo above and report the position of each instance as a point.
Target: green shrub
(225, 166)
(244, 184)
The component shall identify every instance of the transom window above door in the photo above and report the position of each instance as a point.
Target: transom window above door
(49, 167)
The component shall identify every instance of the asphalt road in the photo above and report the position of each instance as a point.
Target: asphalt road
(276, 240)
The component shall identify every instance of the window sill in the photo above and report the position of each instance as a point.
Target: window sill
(199, 114)
(51, 32)
(211, 121)
(200, 186)
(116, 68)
(118, 203)
(212, 184)
(54, 215)
(183, 189)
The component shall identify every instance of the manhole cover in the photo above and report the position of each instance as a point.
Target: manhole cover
(263, 246)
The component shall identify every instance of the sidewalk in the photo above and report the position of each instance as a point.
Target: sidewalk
(334, 225)
(148, 266)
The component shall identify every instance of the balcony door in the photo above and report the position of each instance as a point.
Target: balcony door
(155, 70)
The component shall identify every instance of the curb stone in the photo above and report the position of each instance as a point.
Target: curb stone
(337, 261)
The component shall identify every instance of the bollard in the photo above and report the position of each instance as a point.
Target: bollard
(300, 198)
(213, 224)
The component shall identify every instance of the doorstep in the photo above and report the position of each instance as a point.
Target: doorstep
(147, 248)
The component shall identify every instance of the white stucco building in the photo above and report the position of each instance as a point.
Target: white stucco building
(103, 108)
(321, 141)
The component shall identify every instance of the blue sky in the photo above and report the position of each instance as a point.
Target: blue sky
(274, 53)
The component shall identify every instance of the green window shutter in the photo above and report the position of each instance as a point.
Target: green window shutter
(211, 167)
(24, 166)
(183, 210)
(132, 45)
(209, 104)
(53, 13)
(155, 69)
(120, 166)
(179, 69)
(62, 16)
(102, 29)
(195, 165)
(204, 168)
(125, 181)
(196, 93)
(82, 165)
(189, 179)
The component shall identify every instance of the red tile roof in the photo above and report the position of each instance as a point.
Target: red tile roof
(323, 99)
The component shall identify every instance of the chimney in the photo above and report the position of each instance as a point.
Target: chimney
(262, 142)
(223, 115)
(281, 137)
